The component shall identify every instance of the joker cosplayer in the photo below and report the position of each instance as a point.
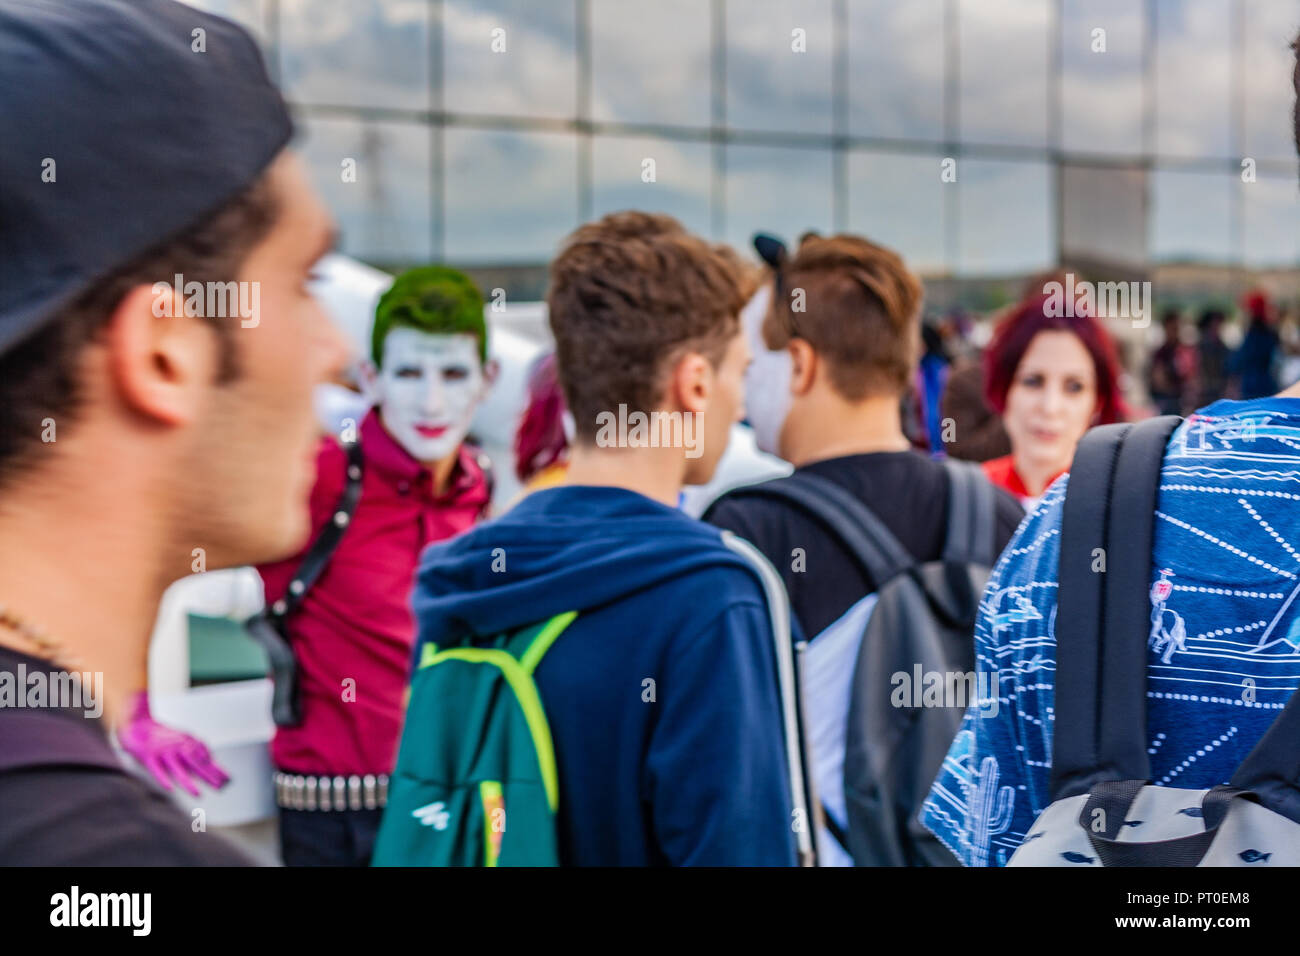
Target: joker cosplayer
(353, 631)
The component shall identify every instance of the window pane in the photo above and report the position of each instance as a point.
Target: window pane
(531, 72)
(1270, 223)
(895, 78)
(651, 62)
(769, 85)
(362, 53)
(1269, 29)
(1004, 84)
(1191, 216)
(1102, 88)
(681, 174)
(1103, 216)
(1006, 223)
(1193, 77)
(898, 201)
(784, 191)
(511, 197)
(384, 211)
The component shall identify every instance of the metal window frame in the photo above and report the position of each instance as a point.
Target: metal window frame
(840, 142)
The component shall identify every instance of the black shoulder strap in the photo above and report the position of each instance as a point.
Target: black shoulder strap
(1272, 768)
(971, 512)
(268, 626)
(1103, 616)
(322, 549)
(877, 552)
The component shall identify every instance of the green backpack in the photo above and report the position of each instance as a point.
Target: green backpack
(476, 751)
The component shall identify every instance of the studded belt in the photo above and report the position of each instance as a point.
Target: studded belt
(296, 791)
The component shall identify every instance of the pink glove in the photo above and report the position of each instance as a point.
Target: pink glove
(167, 753)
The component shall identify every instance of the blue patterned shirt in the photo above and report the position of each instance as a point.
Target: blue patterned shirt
(1224, 650)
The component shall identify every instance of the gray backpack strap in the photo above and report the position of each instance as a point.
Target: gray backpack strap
(1272, 768)
(795, 747)
(874, 548)
(971, 513)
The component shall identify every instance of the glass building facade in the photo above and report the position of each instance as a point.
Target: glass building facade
(1121, 138)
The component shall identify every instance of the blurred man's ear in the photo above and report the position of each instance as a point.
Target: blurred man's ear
(691, 384)
(491, 370)
(160, 358)
(803, 364)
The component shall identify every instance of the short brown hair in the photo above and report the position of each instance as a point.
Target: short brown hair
(861, 311)
(630, 294)
(39, 378)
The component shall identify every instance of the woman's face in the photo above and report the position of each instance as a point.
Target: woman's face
(1052, 400)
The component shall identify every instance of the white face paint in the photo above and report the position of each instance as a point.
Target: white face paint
(427, 390)
(767, 382)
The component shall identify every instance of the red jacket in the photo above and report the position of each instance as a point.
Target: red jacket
(354, 631)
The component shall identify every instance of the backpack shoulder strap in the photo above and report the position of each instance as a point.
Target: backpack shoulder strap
(971, 512)
(322, 549)
(1103, 617)
(541, 639)
(778, 606)
(267, 627)
(874, 548)
(1272, 768)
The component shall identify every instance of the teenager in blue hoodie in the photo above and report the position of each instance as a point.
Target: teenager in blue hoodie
(662, 696)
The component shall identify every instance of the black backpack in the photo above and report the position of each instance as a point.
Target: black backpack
(1105, 811)
(923, 618)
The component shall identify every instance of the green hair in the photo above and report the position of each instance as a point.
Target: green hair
(433, 299)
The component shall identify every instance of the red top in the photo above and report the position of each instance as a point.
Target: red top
(355, 624)
(1002, 472)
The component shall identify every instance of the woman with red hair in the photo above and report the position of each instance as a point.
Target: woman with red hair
(1051, 378)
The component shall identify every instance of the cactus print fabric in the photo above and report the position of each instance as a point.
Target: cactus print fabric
(1224, 647)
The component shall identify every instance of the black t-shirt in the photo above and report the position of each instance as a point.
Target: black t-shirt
(906, 490)
(66, 800)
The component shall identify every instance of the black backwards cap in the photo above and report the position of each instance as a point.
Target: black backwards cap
(147, 138)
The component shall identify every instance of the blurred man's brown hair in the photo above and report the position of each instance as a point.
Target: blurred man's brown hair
(629, 295)
(40, 379)
(858, 306)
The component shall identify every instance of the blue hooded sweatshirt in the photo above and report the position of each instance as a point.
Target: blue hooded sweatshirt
(662, 696)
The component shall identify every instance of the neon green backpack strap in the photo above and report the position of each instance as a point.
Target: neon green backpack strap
(540, 644)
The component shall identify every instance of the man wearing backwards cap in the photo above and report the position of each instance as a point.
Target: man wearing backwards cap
(353, 632)
(136, 426)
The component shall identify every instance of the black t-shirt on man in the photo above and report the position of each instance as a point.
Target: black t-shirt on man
(66, 799)
(906, 490)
